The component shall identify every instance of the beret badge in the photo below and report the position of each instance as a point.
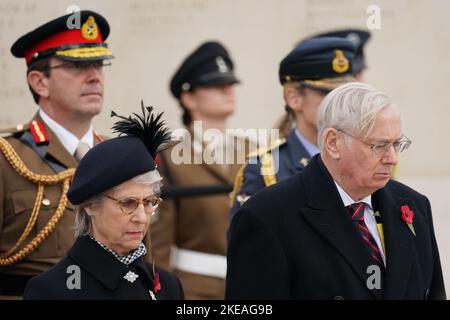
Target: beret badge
(340, 63)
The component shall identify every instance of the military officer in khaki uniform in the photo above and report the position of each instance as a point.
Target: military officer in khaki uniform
(189, 234)
(37, 160)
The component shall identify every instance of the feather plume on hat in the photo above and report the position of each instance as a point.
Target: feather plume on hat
(148, 126)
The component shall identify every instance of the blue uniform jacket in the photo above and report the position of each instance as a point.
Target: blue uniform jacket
(288, 157)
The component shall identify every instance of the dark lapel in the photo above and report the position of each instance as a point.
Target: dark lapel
(55, 148)
(328, 216)
(144, 269)
(398, 239)
(297, 152)
(100, 264)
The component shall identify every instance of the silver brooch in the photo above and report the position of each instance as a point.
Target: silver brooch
(131, 276)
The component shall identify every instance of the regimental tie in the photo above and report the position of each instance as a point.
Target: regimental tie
(356, 211)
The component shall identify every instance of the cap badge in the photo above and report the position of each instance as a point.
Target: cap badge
(340, 63)
(221, 65)
(89, 29)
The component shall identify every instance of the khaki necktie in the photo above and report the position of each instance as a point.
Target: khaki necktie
(81, 150)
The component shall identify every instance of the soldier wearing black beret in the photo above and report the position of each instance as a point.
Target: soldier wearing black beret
(191, 226)
(65, 58)
(115, 191)
(307, 74)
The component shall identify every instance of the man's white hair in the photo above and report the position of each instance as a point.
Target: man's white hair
(353, 108)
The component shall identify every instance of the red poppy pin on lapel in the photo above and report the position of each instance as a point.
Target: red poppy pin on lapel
(157, 283)
(407, 216)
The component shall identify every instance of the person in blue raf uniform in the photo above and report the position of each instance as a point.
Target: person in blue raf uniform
(359, 38)
(115, 193)
(307, 74)
(340, 228)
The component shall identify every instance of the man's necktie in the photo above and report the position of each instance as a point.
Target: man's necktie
(357, 213)
(81, 150)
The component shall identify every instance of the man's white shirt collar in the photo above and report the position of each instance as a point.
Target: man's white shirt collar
(68, 139)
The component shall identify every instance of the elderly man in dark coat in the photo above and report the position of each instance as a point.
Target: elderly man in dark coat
(340, 229)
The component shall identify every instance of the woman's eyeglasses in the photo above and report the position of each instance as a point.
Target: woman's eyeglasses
(129, 205)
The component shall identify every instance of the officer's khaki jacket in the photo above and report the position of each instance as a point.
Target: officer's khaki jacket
(17, 199)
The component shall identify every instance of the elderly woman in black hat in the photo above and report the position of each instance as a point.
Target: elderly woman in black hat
(115, 192)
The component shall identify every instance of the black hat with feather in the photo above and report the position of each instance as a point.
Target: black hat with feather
(120, 159)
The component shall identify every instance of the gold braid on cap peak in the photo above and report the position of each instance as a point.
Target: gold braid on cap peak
(11, 257)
